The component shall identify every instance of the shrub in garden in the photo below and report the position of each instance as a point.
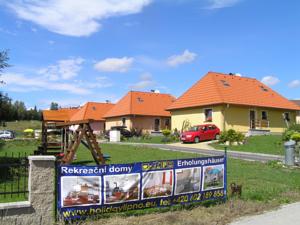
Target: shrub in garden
(296, 137)
(288, 133)
(231, 136)
(295, 127)
(166, 133)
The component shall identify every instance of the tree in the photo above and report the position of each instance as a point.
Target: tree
(3, 63)
(54, 106)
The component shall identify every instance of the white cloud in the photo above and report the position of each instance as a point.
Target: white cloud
(185, 57)
(64, 69)
(17, 81)
(270, 80)
(120, 65)
(74, 17)
(146, 81)
(218, 4)
(294, 84)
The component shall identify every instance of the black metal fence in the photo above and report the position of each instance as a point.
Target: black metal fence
(13, 177)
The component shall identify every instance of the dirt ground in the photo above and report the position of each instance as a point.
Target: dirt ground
(216, 215)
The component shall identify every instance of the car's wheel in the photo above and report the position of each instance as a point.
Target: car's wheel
(217, 137)
(196, 140)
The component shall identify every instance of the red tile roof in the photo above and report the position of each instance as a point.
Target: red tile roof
(217, 88)
(92, 111)
(60, 115)
(296, 102)
(142, 103)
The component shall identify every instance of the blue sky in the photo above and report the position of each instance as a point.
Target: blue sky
(74, 51)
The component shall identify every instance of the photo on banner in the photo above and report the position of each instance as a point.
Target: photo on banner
(80, 190)
(157, 184)
(213, 177)
(187, 180)
(121, 188)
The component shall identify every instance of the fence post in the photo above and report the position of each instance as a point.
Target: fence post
(42, 187)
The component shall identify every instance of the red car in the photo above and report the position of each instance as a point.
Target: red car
(201, 133)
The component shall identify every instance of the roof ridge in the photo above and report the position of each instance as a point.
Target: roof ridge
(104, 103)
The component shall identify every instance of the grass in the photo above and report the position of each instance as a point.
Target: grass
(264, 185)
(20, 126)
(268, 144)
(151, 139)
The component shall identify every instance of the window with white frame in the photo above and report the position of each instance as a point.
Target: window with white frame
(208, 115)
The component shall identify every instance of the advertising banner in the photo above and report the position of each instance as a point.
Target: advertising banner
(90, 190)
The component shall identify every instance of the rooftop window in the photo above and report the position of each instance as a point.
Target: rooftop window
(263, 88)
(140, 99)
(225, 83)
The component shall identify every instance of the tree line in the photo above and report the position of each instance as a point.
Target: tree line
(16, 110)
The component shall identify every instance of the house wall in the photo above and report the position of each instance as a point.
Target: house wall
(237, 118)
(231, 117)
(98, 126)
(196, 116)
(117, 121)
(145, 123)
(298, 117)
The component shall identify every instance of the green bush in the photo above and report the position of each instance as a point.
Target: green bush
(166, 132)
(240, 137)
(223, 137)
(295, 137)
(295, 127)
(288, 133)
(231, 136)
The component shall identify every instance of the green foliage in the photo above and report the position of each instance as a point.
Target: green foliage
(2, 143)
(286, 136)
(3, 62)
(231, 136)
(295, 137)
(240, 137)
(11, 111)
(54, 106)
(166, 132)
(295, 127)
(185, 125)
(288, 133)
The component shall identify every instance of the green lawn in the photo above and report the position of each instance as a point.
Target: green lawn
(151, 139)
(20, 126)
(268, 144)
(261, 182)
